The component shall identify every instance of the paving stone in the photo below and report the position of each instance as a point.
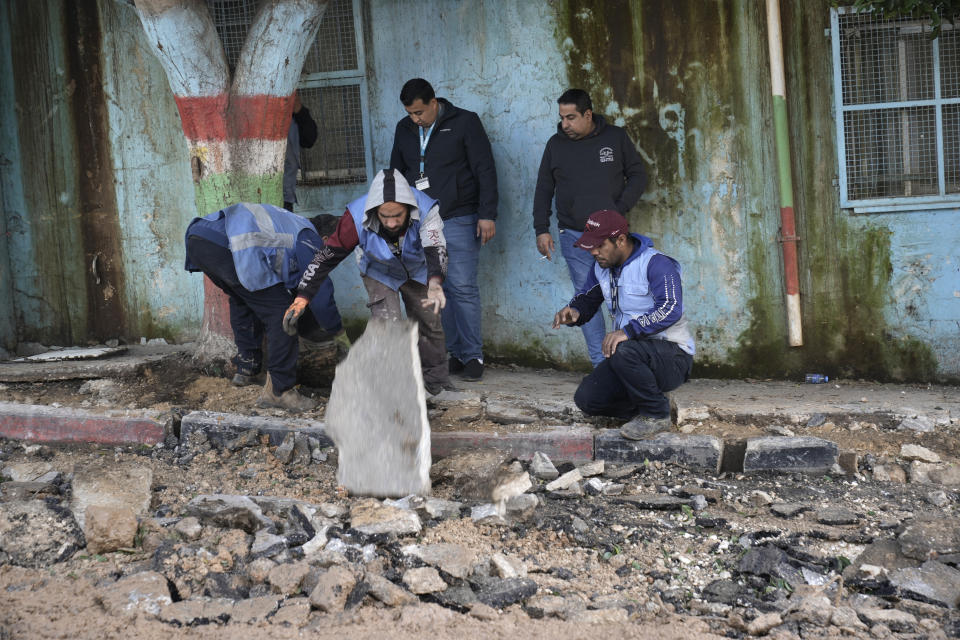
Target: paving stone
(454, 559)
(286, 578)
(592, 468)
(788, 509)
(802, 454)
(109, 528)
(946, 476)
(34, 533)
(521, 507)
(332, 589)
(111, 484)
(931, 538)
(377, 414)
(565, 481)
(452, 399)
(424, 580)
(145, 592)
(251, 610)
(498, 593)
(14, 491)
(223, 429)
(26, 471)
(933, 582)
(487, 514)
(228, 511)
(370, 516)
(189, 527)
(836, 516)
(695, 451)
(389, 593)
(507, 413)
(916, 452)
(197, 611)
(657, 501)
(267, 545)
(508, 567)
(560, 443)
(894, 619)
(542, 467)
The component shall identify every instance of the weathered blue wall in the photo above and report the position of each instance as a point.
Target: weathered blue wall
(688, 79)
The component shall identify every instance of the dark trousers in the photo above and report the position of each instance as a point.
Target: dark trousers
(385, 303)
(633, 380)
(253, 314)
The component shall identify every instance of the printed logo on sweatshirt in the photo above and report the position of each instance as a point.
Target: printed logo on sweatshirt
(606, 154)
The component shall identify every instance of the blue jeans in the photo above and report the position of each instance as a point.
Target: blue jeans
(461, 316)
(579, 264)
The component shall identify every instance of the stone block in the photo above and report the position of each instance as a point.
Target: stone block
(377, 414)
(109, 528)
(111, 484)
(696, 451)
(932, 582)
(802, 454)
(561, 443)
(371, 517)
(41, 423)
(231, 430)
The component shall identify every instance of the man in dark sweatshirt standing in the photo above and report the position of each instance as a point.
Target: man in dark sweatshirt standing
(443, 151)
(589, 165)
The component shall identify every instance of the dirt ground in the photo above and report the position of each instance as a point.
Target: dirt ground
(660, 562)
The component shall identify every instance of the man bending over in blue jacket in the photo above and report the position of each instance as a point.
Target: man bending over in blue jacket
(256, 253)
(651, 348)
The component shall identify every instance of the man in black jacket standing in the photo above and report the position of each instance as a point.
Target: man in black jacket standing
(589, 165)
(444, 151)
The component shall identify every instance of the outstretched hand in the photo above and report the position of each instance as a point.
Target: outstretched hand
(435, 297)
(292, 315)
(567, 315)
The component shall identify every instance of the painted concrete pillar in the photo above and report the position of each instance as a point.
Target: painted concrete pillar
(236, 128)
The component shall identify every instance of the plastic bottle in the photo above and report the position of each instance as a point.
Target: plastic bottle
(817, 378)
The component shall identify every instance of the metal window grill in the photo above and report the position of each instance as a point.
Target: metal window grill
(232, 18)
(331, 87)
(339, 156)
(897, 99)
(335, 48)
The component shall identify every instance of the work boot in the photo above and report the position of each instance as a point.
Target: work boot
(455, 365)
(290, 400)
(641, 427)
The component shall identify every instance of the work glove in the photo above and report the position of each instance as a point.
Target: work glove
(294, 311)
(435, 297)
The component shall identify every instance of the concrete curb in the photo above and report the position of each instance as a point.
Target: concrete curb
(40, 423)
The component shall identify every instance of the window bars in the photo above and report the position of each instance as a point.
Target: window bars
(897, 97)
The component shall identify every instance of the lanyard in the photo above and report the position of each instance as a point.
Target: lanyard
(614, 292)
(423, 143)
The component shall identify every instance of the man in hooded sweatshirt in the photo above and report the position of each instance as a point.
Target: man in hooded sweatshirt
(589, 165)
(404, 257)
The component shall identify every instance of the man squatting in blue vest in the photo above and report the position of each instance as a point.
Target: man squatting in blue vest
(651, 350)
(256, 254)
(404, 255)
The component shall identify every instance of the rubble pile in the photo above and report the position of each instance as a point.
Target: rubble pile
(197, 537)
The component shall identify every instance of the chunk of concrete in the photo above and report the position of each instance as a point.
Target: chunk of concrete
(109, 528)
(454, 559)
(697, 451)
(36, 534)
(229, 512)
(933, 581)
(145, 592)
(377, 414)
(542, 467)
(802, 454)
(371, 517)
(916, 452)
(111, 484)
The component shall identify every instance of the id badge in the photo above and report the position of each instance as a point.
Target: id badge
(422, 184)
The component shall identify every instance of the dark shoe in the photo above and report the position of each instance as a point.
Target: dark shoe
(244, 379)
(455, 365)
(433, 388)
(291, 400)
(642, 427)
(472, 370)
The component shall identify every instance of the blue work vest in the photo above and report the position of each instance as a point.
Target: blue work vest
(634, 298)
(262, 239)
(378, 261)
